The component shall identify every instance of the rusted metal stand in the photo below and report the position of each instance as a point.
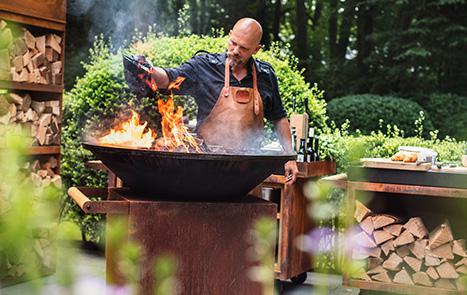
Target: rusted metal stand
(209, 240)
(292, 263)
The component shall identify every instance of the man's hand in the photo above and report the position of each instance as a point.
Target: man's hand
(291, 172)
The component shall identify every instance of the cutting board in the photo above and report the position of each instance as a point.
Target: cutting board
(300, 122)
(383, 163)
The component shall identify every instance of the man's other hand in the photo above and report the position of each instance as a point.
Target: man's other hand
(291, 172)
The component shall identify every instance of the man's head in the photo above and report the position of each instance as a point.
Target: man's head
(244, 41)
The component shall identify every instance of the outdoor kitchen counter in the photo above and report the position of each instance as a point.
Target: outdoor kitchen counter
(433, 203)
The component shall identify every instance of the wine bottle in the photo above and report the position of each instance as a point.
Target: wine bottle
(301, 151)
(294, 139)
(316, 148)
(310, 152)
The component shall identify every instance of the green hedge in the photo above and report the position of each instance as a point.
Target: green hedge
(448, 113)
(101, 93)
(365, 113)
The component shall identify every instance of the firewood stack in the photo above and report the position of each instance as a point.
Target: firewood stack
(39, 119)
(405, 253)
(42, 173)
(29, 58)
(13, 267)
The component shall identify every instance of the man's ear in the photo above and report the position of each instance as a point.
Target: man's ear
(257, 48)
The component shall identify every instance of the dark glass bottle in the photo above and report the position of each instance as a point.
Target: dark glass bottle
(310, 152)
(294, 139)
(301, 155)
(316, 148)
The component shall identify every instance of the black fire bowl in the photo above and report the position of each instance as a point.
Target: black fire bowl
(188, 176)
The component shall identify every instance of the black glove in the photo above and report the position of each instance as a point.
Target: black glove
(137, 71)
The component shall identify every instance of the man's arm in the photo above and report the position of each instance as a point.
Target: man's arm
(160, 77)
(282, 128)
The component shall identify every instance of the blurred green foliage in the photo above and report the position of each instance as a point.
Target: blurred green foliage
(367, 110)
(28, 216)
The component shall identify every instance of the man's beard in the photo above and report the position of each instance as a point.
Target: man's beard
(235, 60)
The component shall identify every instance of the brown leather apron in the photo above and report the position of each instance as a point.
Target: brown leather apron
(236, 120)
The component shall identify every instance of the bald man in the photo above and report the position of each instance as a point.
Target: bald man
(234, 92)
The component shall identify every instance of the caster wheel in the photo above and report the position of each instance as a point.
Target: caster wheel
(278, 286)
(300, 279)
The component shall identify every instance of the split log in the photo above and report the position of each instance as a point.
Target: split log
(418, 248)
(414, 263)
(403, 251)
(38, 106)
(45, 120)
(56, 67)
(51, 41)
(421, 278)
(377, 270)
(443, 251)
(431, 260)
(18, 63)
(362, 275)
(393, 263)
(416, 227)
(387, 247)
(29, 39)
(405, 238)
(383, 220)
(402, 277)
(361, 211)
(40, 44)
(381, 236)
(441, 235)
(458, 248)
(20, 47)
(445, 284)
(374, 262)
(364, 240)
(367, 225)
(432, 273)
(447, 271)
(382, 277)
(393, 229)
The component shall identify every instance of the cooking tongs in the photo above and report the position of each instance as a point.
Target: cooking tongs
(137, 70)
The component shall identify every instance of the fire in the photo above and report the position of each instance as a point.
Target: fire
(175, 135)
(131, 133)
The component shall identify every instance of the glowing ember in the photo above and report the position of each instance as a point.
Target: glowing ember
(130, 133)
(175, 135)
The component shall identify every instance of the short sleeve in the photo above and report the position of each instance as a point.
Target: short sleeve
(277, 110)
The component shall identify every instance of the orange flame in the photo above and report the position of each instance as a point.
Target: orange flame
(130, 133)
(175, 135)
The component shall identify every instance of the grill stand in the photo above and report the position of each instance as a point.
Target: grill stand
(209, 240)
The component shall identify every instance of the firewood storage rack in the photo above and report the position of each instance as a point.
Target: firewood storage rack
(411, 196)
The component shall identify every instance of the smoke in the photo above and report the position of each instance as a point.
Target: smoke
(117, 19)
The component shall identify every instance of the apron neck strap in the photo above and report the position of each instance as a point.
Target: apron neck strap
(227, 75)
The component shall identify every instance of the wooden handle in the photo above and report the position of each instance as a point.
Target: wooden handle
(80, 199)
(109, 206)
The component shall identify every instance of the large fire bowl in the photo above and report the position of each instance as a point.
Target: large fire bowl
(188, 176)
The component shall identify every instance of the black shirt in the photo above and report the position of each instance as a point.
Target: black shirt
(205, 79)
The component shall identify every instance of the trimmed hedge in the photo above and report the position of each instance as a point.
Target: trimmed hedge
(101, 93)
(448, 113)
(365, 113)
